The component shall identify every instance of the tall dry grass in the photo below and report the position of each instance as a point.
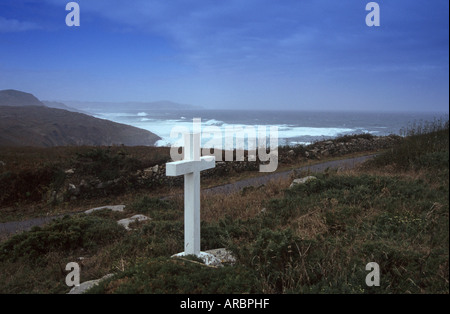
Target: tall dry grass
(244, 204)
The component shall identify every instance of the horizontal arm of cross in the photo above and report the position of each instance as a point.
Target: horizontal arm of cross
(182, 167)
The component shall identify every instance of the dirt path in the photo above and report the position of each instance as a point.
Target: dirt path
(236, 186)
(12, 227)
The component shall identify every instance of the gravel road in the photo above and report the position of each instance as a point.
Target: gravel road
(12, 227)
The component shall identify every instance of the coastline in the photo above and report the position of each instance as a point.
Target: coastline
(294, 127)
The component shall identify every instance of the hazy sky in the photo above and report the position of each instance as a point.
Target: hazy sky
(261, 54)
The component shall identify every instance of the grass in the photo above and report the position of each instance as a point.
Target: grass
(426, 147)
(312, 238)
(164, 275)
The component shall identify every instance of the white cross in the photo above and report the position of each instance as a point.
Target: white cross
(190, 167)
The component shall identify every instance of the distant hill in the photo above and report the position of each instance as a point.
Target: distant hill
(92, 106)
(11, 97)
(26, 121)
(60, 105)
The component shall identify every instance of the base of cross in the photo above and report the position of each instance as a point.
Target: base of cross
(207, 258)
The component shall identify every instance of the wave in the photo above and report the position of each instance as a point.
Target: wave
(299, 143)
(163, 143)
(289, 133)
(285, 131)
(113, 115)
(213, 122)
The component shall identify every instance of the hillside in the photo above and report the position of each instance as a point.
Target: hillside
(46, 127)
(14, 98)
(26, 121)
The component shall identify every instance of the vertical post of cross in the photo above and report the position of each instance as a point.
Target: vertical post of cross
(192, 196)
(190, 167)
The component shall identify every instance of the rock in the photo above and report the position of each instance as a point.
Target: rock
(291, 153)
(207, 258)
(2, 163)
(155, 168)
(50, 196)
(148, 170)
(223, 255)
(83, 287)
(302, 180)
(73, 190)
(103, 185)
(215, 257)
(126, 221)
(56, 197)
(114, 208)
(69, 171)
(83, 184)
(94, 182)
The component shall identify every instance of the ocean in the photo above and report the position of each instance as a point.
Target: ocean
(294, 127)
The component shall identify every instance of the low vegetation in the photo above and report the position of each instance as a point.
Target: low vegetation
(312, 238)
(30, 177)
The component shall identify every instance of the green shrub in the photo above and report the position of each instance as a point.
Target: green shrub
(63, 235)
(105, 164)
(29, 185)
(165, 276)
(274, 256)
(156, 208)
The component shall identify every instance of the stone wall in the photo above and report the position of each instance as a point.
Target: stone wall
(347, 145)
(157, 175)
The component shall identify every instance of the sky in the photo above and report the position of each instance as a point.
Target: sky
(231, 54)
